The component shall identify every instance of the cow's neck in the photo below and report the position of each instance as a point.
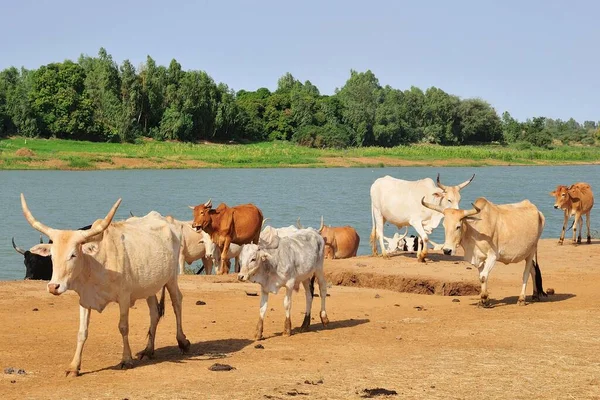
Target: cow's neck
(95, 284)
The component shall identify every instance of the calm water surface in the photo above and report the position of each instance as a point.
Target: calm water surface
(70, 200)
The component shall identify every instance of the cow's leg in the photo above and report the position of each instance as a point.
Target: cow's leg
(84, 322)
(181, 264)
(148, 352)
(564, 228)
(526, 272)
(484, 273)
(587, 223)
(575, 225)
(309, 288)
(377, 233)
(424, 246)
(323, 294)
(580, 228)
(176, 302)
(124, 303)
(264, 298)
(208, 265)
(287, 304)
(224, 260)
(238, 266)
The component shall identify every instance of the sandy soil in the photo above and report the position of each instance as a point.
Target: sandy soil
(421, 346)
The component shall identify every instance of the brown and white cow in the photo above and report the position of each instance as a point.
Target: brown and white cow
(487, 235)
(239, 224)
(340, 241)
(576, 200)
(115, 262)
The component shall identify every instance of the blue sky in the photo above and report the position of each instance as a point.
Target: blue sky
(529, 57)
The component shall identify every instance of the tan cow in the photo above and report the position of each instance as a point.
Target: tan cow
(488, 233)
(340, 241)
(577, 200)
(115, 262)
(239, 224)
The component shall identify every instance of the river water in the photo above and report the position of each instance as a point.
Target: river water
(72, 199)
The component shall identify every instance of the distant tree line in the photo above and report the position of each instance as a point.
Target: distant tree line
(96, 99)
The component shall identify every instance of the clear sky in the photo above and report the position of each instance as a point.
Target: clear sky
(528, 57)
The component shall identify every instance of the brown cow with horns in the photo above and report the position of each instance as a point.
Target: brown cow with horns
(238, 224)
(340, 241)
(577, 200)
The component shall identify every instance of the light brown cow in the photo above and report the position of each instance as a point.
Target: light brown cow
(115, 262)
(340, 241)
(488, 233)
(239, 224)
(577, 200)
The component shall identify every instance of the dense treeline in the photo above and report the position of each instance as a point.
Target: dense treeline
(96, 99)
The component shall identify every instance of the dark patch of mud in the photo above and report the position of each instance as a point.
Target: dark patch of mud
(403, 284)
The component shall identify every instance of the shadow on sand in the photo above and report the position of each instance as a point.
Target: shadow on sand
(318, 326)
(512, 300)
(202, 351)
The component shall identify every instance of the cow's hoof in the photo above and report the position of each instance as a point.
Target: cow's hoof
(521, 301)
(535, 297)
(287, 329)
(589, 240)
(149, 354)
(73, 373)
(324, 319)
(560, 242)
(578, 240)
(305, 324)
(126, 364)
(184, 345)
(258, 337)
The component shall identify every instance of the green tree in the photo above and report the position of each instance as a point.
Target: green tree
(58, 99)
(360, 97)
(479, 122)
(132, 103)
(441, 117)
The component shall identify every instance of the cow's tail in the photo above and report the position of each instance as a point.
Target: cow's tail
(161, 304)
(373, 237)
(538, 277)
(312, 286)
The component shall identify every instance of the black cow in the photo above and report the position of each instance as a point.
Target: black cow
(38, 267)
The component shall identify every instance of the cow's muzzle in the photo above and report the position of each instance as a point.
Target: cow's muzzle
(447, 252)
(54, 288)
(556, 206)
(242, 277)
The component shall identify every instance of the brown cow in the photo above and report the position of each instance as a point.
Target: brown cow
(340, 241)
(239, 224)
(577, 200)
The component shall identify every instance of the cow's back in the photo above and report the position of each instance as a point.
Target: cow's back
(247, 221)
(302, 253)
(144, 252)
(399, 200)
(347, 241)
(511, 230)
(585, 195)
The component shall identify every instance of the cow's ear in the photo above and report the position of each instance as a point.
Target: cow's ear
(90, 248)
(553, 193)
(438, 194)
(41, 250)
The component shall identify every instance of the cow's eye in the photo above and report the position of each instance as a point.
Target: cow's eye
(458, 227)
(563, 195)
(72, 256)
(253, 260)
(449, 201)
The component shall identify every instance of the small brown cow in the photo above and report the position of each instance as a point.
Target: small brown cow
(577, 200)
(239, 224)
(340, 241)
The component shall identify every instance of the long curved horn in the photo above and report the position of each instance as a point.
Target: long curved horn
(443, 187)
(298, 224)
(130, 213)
(473, 211)
(46, 230)
(102, 225)
(18, 249)
(208, 204)
(192, 207)
(434, 207)
(322, 225)
(465, 183)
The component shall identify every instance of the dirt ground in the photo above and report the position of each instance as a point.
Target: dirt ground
(422, 346)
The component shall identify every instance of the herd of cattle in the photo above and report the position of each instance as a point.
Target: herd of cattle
(136, 258)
